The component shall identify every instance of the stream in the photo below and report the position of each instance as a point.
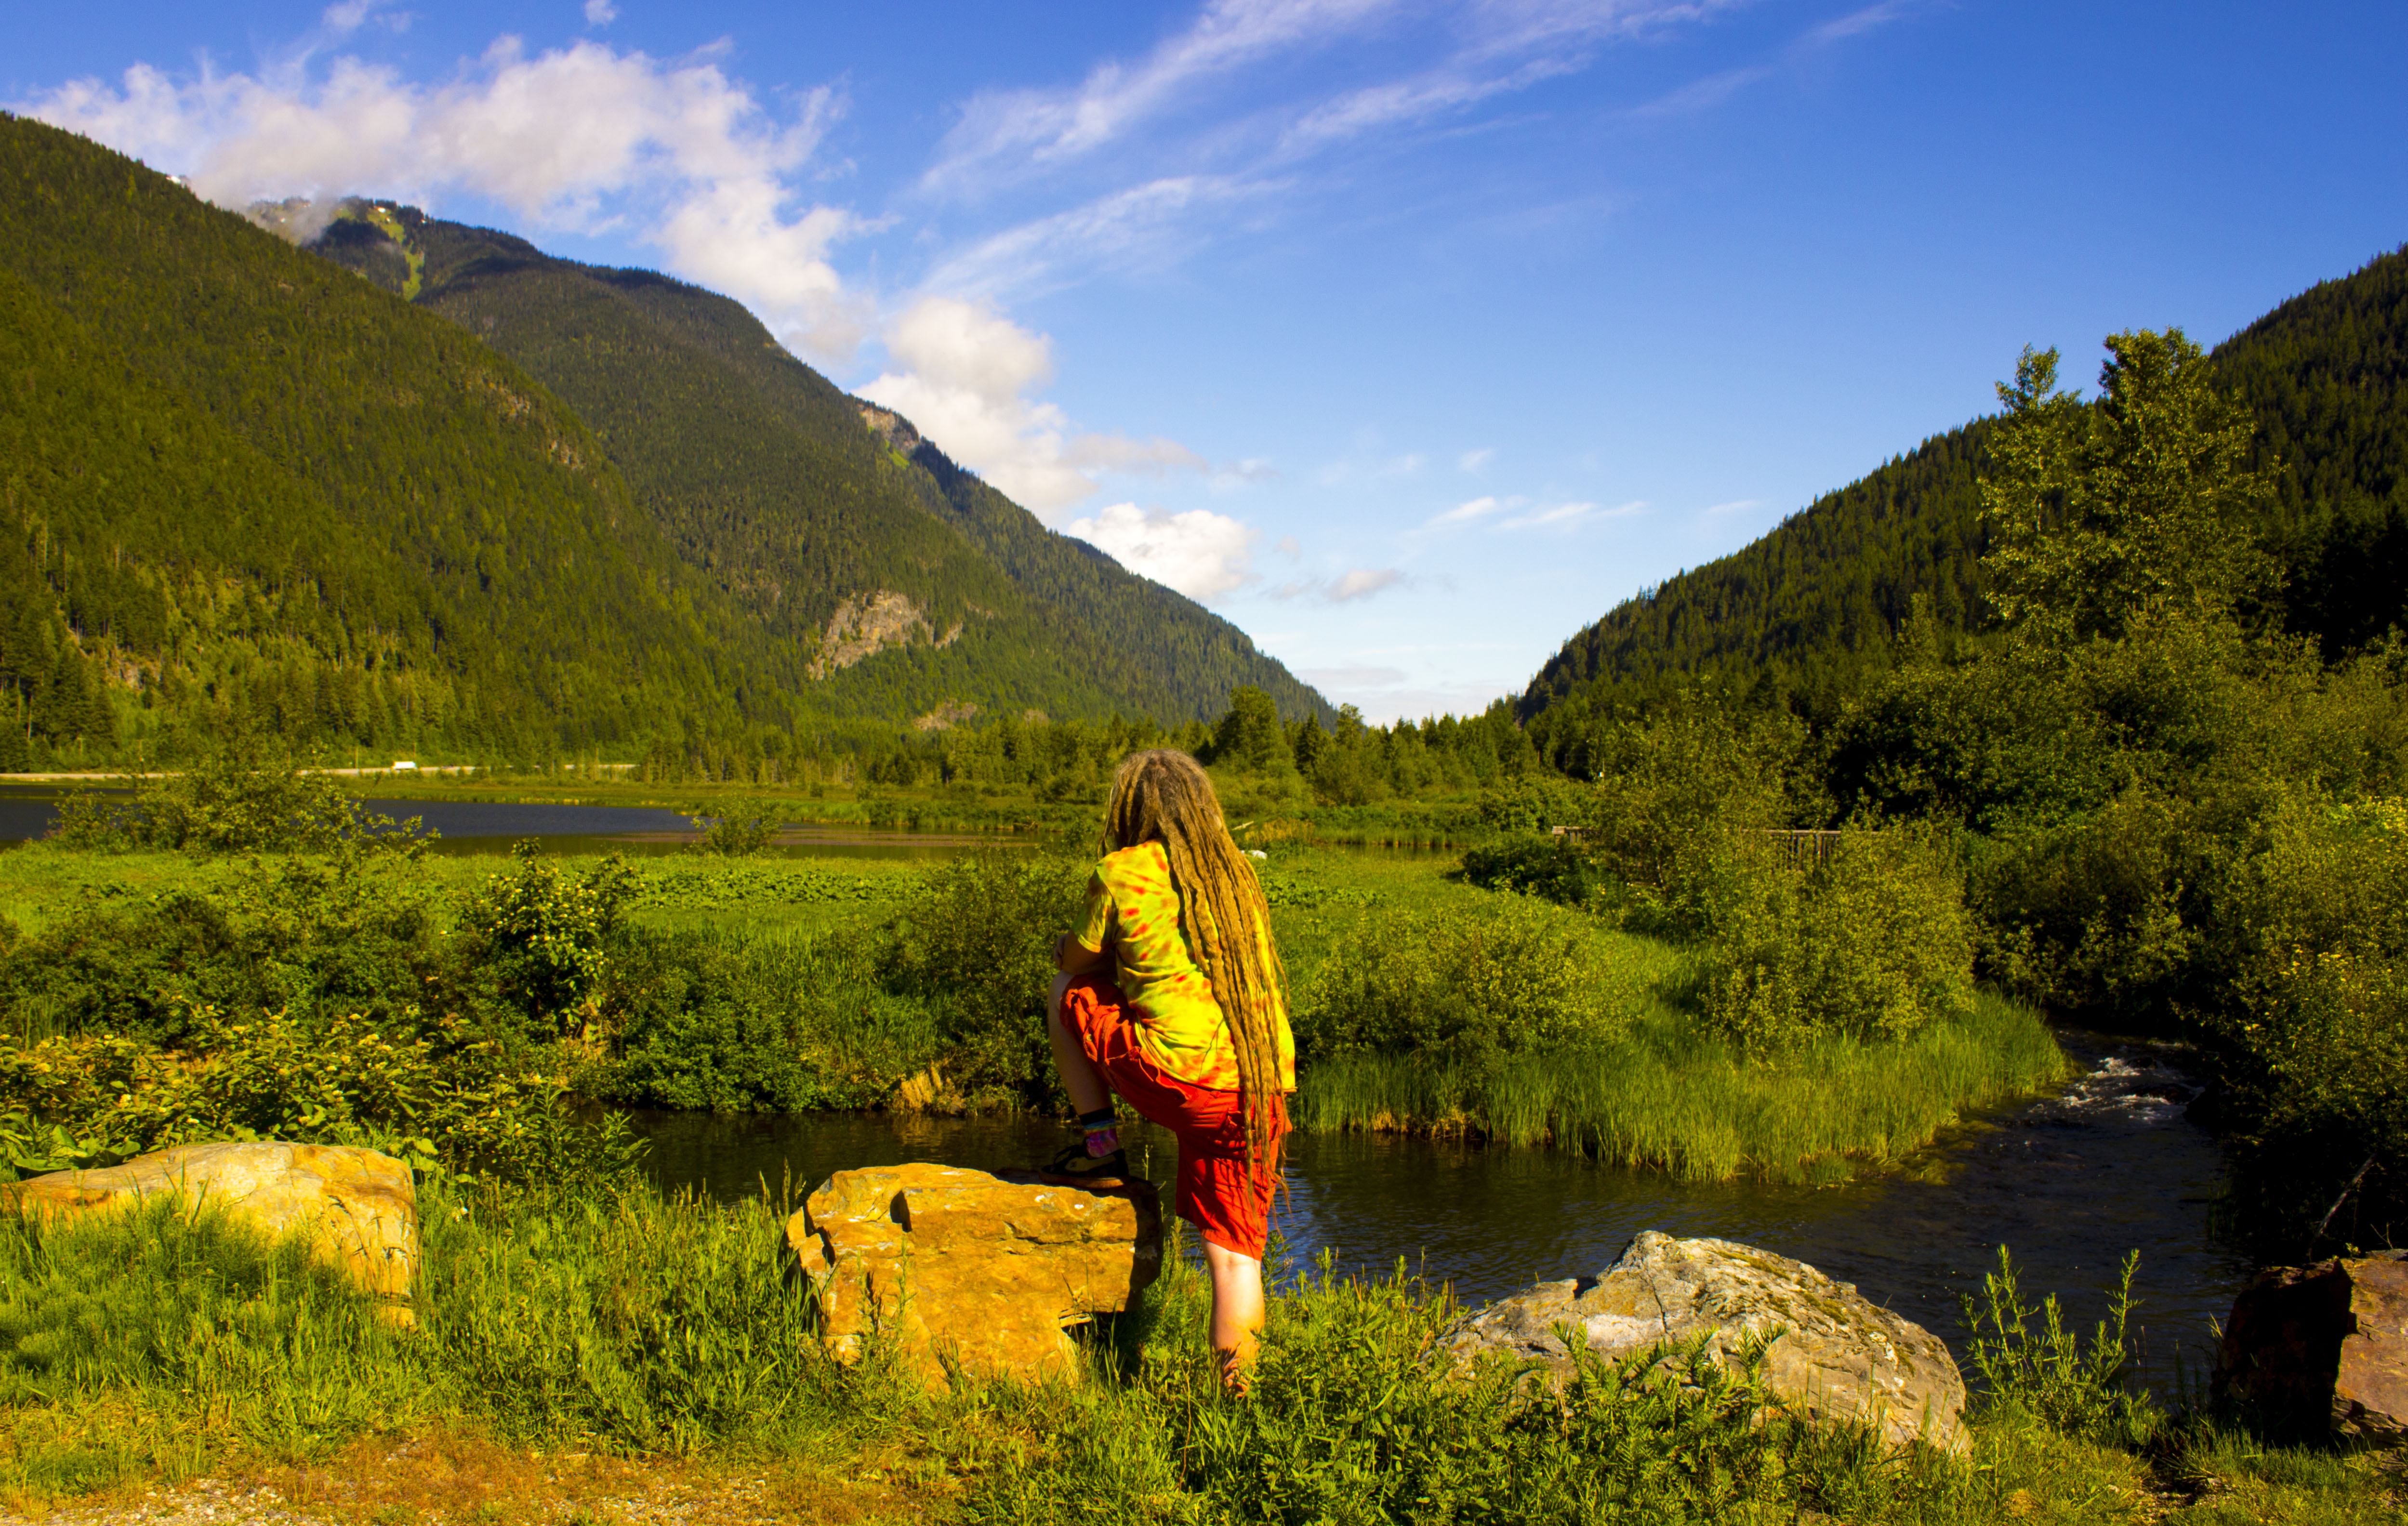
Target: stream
(2069, 1183)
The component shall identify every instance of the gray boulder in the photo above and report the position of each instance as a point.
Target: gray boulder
(1838, 1356)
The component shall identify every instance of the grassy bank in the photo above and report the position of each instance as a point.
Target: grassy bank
(786, 984)
(1671, 1099)
(579, 1328)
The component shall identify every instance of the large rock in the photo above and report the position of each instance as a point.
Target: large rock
(360, 1207)
(983, 1271)
(1839, 1356)
(2324, 1346)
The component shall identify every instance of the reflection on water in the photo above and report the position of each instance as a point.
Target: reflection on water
(2069, 1184)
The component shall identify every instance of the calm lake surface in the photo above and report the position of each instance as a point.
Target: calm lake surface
(2069, 1184)
(490, 826)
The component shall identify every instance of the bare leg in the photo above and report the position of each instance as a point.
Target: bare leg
(1237, 1310)
(1080, 1078)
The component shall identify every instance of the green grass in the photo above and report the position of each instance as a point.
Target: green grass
(1672, 1100)
(151, 1346)
(755, 984)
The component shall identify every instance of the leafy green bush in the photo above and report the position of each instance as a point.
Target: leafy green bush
(976, 947)
(1536, 804)
(736, 1024)
(1454, 983)
(2316, 1028)
(349, 933)
(429, 1089)
(544, 936)
(1872, 941)
(1551, 867)
(233, 806)
(737, 834)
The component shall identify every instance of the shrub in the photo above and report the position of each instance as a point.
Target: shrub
(1551, 867)
(430, 1089)
(1456, 983)
(976, 947)
(736, 834)
(543, 937)
(2316, 1030)
(352, 932)
(736, 1024)
(1871, 942)
(1535, 805)
(233, 805)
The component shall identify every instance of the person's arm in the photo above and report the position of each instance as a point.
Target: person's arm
(1090, 945)
(1072, 957)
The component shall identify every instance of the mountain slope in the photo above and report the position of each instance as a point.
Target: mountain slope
(241, 492)
(1809, 609)
(804, 505)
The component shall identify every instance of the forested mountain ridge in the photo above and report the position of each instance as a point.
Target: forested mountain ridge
(1807, 611)
(243, 492)
(799, 502)
(239, 492)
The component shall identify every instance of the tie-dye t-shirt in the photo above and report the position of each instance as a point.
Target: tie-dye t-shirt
(1133, 909)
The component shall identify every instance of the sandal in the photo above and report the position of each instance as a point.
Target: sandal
(1074, 1167)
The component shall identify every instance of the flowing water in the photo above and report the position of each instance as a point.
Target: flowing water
(2069, 1184)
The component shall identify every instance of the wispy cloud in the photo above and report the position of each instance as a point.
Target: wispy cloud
(1471, 461)
(1005, 135)
(1465, 512)
(1347, 587)
(1132, 229)
(1570, 515)
(1737, 506)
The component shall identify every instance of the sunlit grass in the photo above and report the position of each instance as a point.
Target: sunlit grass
(154, 1346)
(1674, 1100)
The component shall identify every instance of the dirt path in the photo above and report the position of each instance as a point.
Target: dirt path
(438, 1481)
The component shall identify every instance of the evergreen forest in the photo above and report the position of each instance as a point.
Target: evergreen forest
(1808, 614)
(509, 509)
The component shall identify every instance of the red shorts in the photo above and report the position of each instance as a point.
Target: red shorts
(1216, 1192)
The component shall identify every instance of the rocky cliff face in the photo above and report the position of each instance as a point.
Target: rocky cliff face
(868, 623)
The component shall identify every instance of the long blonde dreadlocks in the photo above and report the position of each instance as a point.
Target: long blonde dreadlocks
(1164, 796)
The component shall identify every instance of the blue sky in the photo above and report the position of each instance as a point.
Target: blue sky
(1412, 337)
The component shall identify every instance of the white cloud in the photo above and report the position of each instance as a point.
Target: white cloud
(1201, 553)
(1358, 583)
(1471, 461)
(964, 378)
(1570, 515)
(1476, 508)
(600, 12)
(1289, 547)
(1735, 505)
(580, 136)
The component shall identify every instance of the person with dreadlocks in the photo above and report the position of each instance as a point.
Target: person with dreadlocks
(1172, 996)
